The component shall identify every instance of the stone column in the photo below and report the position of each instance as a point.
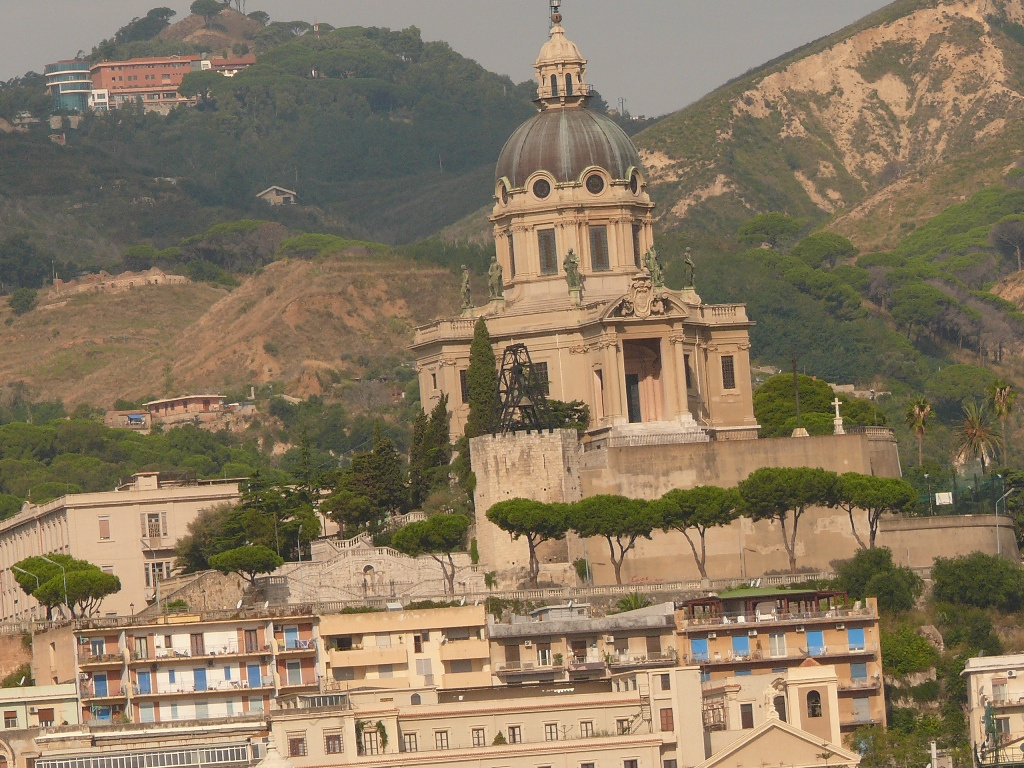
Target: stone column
(614, 382)
(680, 403)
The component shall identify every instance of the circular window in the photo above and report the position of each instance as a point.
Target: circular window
(595, 184)
(541, 188)
(634, 183)
(504, 195)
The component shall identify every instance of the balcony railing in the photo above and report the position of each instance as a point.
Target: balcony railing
(100, 658)
(733, 657)
(633, 659)
(513, 667)
(776, 616)
(295, 645)
(860, 684)
(266, 681)
(113, 691)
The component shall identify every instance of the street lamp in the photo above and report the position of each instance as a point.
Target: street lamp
(64, 574)
(1002, 499)
(22, 570)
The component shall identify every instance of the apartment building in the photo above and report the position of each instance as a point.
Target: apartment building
(761, 630)
(566, 643)
(181, 667)
(995, 701)
(446, 647)
(39, 706)
(129, 532)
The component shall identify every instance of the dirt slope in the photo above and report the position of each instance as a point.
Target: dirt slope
(284, 325)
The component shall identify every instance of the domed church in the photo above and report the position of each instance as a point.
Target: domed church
(578, 281)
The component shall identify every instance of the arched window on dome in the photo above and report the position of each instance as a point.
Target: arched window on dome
(568, 85)
(554, 85)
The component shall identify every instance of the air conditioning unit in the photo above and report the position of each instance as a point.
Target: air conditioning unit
(840, 626)
(528, 644)
(712, 635)
(33, 710)
(609, 638)
(1011, 673)
(752, 632)
(800, 628)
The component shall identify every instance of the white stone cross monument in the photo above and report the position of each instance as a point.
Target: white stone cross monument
(837, 422)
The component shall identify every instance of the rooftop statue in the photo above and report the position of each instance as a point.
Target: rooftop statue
(654, 268)
(571, 265)
(690, 269)
(467, 298)
(495, 281)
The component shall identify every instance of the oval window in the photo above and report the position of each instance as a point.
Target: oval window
(504, 195)
(634, 183)
(595, 184)
(541, 188)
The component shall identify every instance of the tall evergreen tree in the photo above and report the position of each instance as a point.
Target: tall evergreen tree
(482, 381)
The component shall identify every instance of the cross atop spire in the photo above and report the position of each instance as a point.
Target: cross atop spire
(560, 67)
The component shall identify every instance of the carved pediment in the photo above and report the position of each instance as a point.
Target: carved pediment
(644, 301)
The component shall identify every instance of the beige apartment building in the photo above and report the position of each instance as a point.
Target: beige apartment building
(761, 631)
(129, 532)
(995, 701)
(564, 643)
(443, 647)
(181, 666)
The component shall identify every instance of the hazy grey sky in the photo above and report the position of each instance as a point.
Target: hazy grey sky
(659, 55)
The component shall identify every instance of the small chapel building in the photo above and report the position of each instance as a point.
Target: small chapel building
(577, 280)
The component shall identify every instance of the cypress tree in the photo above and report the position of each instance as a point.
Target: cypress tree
(482, 380)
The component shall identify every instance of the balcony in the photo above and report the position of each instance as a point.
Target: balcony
(98, 660)
(858, 721)
(306, 681)
(753, 657)
(525, 668)
(653, 659)
(213, 652)
(863, 684)
(777, 618)
(295, 647)
(88, 690)
(224, 686)
(370, 657)
(458, 650)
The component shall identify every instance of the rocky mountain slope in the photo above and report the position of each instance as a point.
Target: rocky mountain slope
(877, 127)
(300, 323)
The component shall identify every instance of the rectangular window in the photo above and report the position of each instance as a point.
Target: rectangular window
(409, 743)
(11, 719)
(230, 707)
(637, 229)
(296, 745)
(146, 714)
(668, 764)
(227, 673)
(667, 721)
(548, 255)
(777, 645)
(816, 643)
(699, 648)
(371, 741)
(746, 716)
(630, 764)
(515, 734)
(1003, 726)
(385, 670)
(587, 765)
(550, 731)
(334, 743)
(740, 646)
(511, 255)
(861, 709)
(599, 249)
(440, 739)
(104, 528)
(622, 726)
(859, 671)
(728, 372)
(202, 710)
(586, 729)
(294, 672)
(46, 717)
(464, 390)
(461, 666)
(540, 376)
(855, 637)
(479, 737)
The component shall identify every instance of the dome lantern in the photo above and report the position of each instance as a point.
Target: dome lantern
(560, 68)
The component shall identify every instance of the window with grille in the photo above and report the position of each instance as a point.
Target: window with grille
(599, 249)
(296, 745)
(550, 731)
(548, 256)
(728, 372)
(334, 743)
(667, 721)
(540, 377)
(409, 742)
(440, 739)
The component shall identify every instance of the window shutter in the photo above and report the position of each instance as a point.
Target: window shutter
(163, 523)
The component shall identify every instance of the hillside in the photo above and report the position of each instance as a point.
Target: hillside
(297, 322)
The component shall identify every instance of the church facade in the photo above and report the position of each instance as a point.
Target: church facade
(577, 280)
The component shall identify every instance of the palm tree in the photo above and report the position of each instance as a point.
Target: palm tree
(1001, 398)
(917, 419)
(977, 437)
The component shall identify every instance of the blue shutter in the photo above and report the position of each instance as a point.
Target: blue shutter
(199, 675)
(699, 648)
(740, 645)
(855, 637)
(816, 643)
(145, 685)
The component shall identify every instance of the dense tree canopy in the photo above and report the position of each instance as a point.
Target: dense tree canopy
(979, 580)
(80, 586)
(620, 521)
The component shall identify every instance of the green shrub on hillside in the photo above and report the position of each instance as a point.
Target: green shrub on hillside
(904, 652)
(979, 580)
